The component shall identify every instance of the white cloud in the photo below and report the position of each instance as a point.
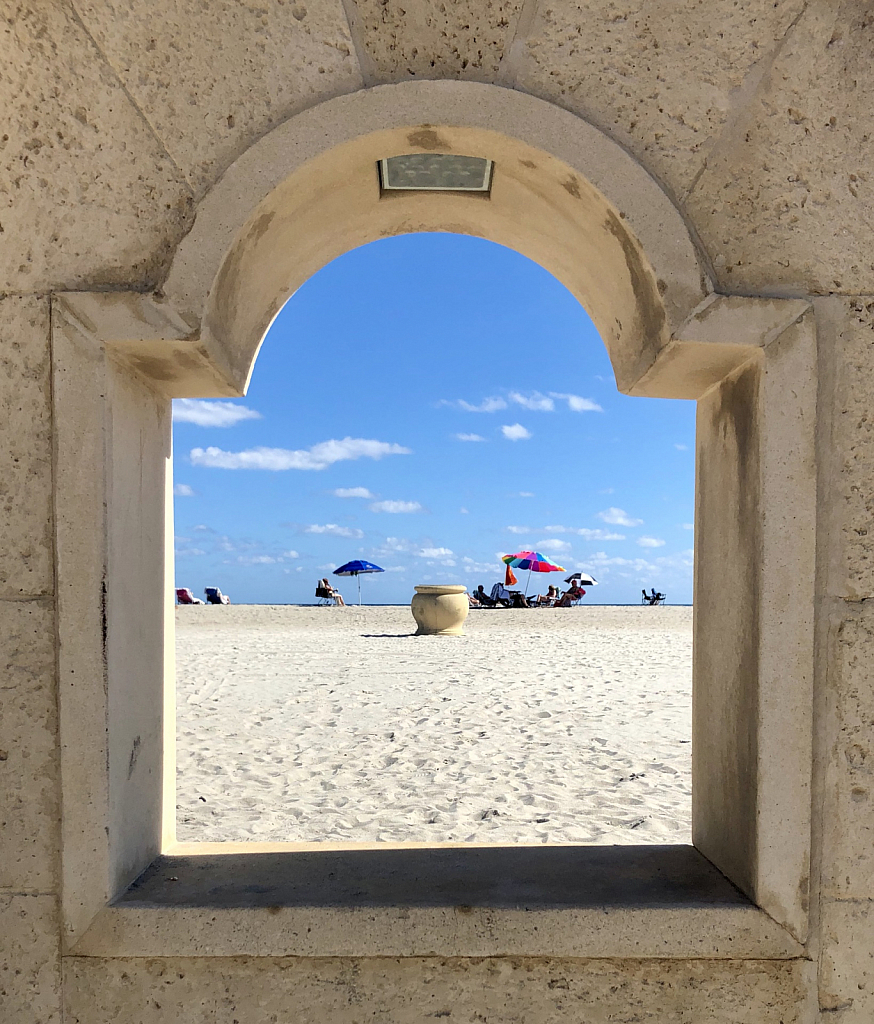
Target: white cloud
(469, 437)
(681, 447)
(525, 494)
(183, 491)
(435, 553)
(515, 432)
(189, 552)
(650, 542)
(554, 545)
(584, 531)
(686, 526)
(463, 511)
(204, 529)
(211, 414)
(321, 455)
(290, 554)
(486, 405)
(333, 530)
(352, 492)
(397, 568)
(393, 545)
(256, 560)
(535, 401)
(395, 506)
(577, 404)
(617, 517)
(518, 529)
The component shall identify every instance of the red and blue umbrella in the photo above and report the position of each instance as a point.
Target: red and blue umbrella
(357, 567)
(533, 561)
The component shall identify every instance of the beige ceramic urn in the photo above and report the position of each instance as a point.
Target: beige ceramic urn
(440, 610)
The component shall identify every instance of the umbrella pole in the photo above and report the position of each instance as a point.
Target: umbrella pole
(527, 584)
(358, 577)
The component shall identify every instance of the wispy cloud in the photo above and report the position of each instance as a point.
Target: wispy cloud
(320, 456)
(681, 447)
(586, 532)
(333, 530)
(576, 403)
(618, 517)
(536, 402)
(395, 506)
(688, 526)
(184, 552)
(352, 492)
(183, 491)
(211, 414)
(515, 432)
(204, 529)
(435, 553)
(650, 542)
(518, 529)
(486, 405)
(553, 544)
(469, 437)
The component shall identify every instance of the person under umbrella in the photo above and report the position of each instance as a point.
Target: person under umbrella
(533, 561)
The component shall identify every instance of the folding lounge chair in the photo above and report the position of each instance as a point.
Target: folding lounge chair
(215, 596)
(324, 596)
(185, 596)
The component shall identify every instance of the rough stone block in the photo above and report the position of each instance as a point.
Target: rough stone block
(846, 328)
(26, 451)
(787, 197)
(216, 77)
(30, 977)
(846, 982)
(88, 195)
(848, 807)
(29, 799)
(421, 39)
(662, 79)
(409, 991)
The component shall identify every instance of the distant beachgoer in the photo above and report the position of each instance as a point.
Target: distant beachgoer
(483, 598)
(501, 595)
(569, 596)
(335, 594)
(550, 597)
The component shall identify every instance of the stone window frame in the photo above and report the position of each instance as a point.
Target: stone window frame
(118, 359)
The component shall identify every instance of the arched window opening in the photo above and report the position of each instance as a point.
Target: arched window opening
(430, 403)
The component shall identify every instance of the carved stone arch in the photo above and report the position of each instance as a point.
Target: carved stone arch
(563, 194)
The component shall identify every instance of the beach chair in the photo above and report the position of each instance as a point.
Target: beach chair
(185, 596)
(324, 596)
(215, 596)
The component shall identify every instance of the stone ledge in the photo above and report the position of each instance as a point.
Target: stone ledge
(663, 902)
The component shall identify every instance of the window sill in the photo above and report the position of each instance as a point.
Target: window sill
(447, 901)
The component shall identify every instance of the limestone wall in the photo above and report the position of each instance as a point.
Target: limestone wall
(120, 115)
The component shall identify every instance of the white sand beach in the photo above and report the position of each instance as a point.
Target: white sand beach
(551, 725)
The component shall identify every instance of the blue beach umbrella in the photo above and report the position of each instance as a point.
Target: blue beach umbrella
(357, 568)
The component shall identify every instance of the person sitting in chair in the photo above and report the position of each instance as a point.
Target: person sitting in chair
(335, 594)
(574, 594)
(549, 598)
(483, 598)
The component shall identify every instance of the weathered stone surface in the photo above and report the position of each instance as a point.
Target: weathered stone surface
(846, 328)
(87, 194)
(662, 79)
(846, 984)
(29, 777)
(848, 807)
(30, 982)
(26, 451)
(422, 39)
(213, 77)
(788, 195)
(408, 991)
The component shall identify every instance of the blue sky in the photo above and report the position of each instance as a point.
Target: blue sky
(430, 402)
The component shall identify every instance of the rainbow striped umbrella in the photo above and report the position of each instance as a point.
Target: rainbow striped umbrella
(533, 561)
